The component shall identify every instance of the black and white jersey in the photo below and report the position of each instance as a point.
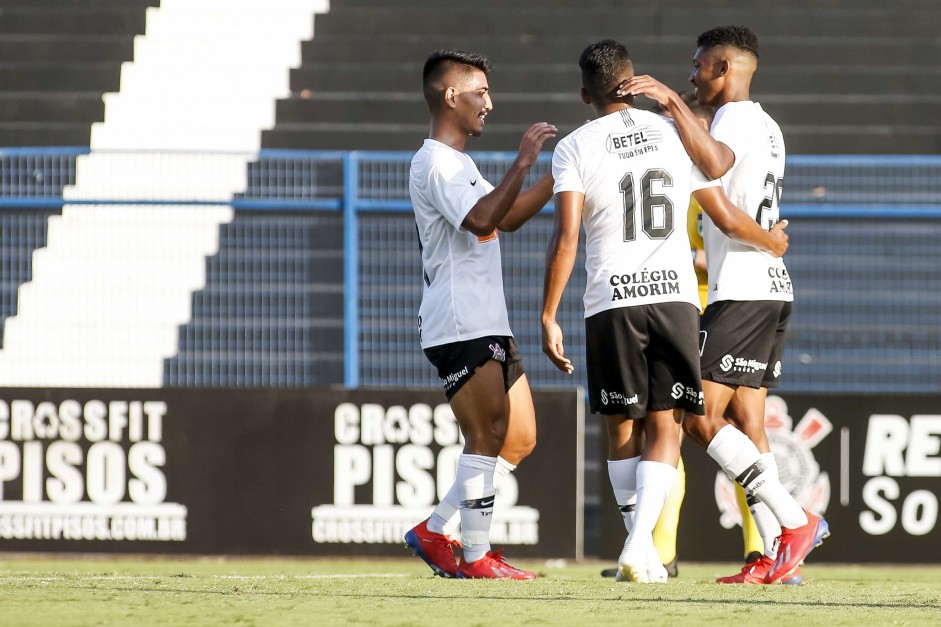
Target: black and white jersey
(637, 179)
(753, 184)
(463, 296)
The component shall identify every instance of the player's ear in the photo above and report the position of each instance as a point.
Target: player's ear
(450, 97)
(722, 67)
(585, 97)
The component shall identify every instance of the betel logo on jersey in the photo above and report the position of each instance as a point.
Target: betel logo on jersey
(636, 141)
(391, 465)
(793, 453)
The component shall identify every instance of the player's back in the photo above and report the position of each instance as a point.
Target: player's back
(637, 179)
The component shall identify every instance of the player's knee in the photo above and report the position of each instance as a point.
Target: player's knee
(496, 432)
(739, 423)
(699, 428)
(522, 445)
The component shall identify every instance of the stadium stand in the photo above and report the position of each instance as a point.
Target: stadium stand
(57, 58)
(114, 282)
(255, 295)
(841, 77)
(251, 293)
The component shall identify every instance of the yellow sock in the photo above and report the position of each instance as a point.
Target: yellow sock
(664, 534)
(753, 541)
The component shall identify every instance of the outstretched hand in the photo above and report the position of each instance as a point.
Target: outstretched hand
(645, 85)
(532, 142)
(779, 239)
(552, 346)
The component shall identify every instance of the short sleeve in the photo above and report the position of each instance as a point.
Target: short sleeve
(699, 181)
(730, 132)
(565, 170)
(454, 193)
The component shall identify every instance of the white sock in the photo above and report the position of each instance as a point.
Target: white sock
(447, 514)
(476, 494)
(739, 458)
(446, 518)
(502, 469)
(623, 476)
(767, 524)
(768, 527)
(654, 481)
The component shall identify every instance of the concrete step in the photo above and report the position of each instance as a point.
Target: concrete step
(526, 77)
(565, 49)
(66, 4)
(59, 77)
(66, 49)
(72, 20)
(698, 5)
(84, 107)
(517, 21)
(22, 134)
(801, 139)
(524, 109)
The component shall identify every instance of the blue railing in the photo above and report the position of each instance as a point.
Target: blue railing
(861, 231)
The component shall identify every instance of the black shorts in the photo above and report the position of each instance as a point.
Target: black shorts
(742, 342)
(457, 362)
(644, 358)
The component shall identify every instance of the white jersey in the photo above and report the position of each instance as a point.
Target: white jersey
(462, 297)
(637, 179)
(753, 184)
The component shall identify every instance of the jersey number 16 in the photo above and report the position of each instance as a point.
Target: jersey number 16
(656, 209)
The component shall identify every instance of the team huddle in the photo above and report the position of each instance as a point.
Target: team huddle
(656, 368)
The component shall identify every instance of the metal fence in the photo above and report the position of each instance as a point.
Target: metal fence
(864, 235)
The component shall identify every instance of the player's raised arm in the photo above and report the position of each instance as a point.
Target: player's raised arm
(711, 156)
(527, 204)
(488, 213)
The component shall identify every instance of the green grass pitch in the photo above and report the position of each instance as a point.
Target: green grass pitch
(186, 591)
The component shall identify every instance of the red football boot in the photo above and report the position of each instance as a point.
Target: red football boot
(492, 566)
(794, 545)
(435, 548)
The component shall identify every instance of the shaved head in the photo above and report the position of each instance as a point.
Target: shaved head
(736, 40)
(445, 68)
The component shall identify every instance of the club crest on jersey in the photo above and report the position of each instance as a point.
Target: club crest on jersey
(499, 354)
(793, 453)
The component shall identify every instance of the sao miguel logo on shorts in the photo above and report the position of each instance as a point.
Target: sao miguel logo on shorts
(793, 453)
(617, 398)
(391, 465)
(740, 364)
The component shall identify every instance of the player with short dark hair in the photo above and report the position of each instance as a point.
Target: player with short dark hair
(750, 293)
(626, 176)
(463, 324)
